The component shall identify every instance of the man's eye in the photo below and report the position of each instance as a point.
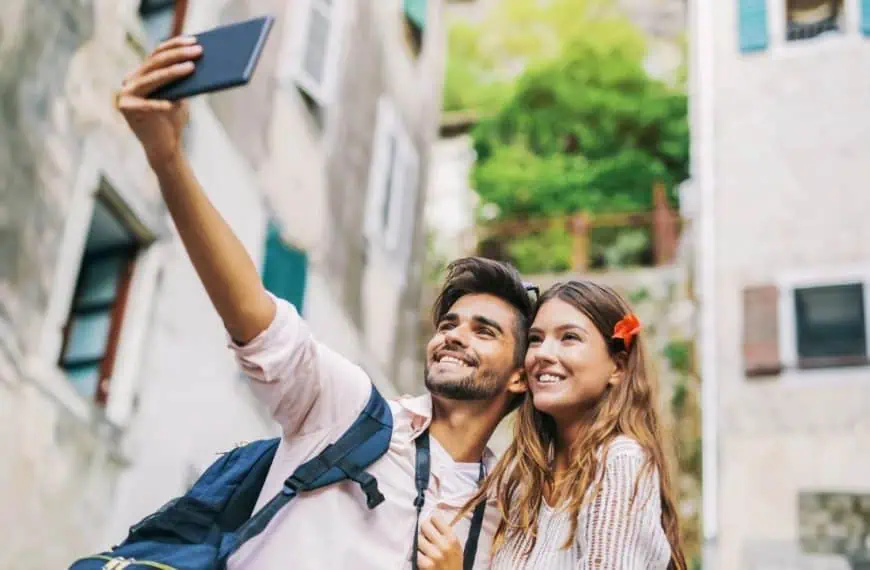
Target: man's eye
(486, 332)
(445, 326)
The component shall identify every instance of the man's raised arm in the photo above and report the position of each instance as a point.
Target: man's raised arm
(221, 261)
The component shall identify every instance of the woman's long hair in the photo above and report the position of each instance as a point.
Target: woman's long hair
(628, 408)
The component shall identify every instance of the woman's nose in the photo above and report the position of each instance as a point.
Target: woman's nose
(546, 351)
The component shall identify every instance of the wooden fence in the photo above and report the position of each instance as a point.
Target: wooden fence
(663, 221)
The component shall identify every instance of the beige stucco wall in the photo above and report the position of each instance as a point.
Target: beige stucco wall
(789, 153)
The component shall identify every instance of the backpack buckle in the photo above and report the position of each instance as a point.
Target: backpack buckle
(374, 497)
(292, 485)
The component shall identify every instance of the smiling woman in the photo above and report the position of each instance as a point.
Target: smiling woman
(585, 482)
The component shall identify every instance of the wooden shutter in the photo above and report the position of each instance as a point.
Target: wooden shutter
(752, 23)
(761, 331)
(285, 269)
(415, 10)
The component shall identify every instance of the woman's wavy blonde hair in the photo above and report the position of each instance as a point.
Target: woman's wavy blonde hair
(628, 408)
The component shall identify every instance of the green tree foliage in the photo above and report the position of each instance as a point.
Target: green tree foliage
(485, 58)
(587, 130)
(570, 120)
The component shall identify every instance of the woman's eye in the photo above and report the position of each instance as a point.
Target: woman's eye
(445, 327)
(571, 336)
(534, 339)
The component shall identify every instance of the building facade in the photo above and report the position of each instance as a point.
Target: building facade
(116, 385)
(779, 93)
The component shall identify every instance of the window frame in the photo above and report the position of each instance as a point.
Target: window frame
(778, 29)
(403, 171)
(100, 179)
(116, 308)
(295, 49)
(788, 332)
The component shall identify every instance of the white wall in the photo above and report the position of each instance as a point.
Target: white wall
(789, 153)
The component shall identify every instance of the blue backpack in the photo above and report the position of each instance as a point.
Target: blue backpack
(200, 530)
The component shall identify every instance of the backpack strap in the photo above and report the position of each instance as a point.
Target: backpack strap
(360, 446)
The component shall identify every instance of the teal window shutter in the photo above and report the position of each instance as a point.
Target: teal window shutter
(865, 17)
(285, 268)
(752, 19)
(415, 10)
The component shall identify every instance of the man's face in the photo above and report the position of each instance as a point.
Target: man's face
(471, 356)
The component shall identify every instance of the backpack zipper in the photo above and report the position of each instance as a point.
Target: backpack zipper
(120, 563)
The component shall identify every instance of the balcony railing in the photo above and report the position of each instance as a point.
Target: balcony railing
(662, 222)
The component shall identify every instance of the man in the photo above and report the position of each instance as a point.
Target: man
(474, 372)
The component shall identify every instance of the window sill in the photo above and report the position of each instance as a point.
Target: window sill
(786, 49)
(52, 382)
(825, 362)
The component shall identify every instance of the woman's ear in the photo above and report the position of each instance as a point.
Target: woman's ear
(618, 373)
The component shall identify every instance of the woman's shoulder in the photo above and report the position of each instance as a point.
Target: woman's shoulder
(623, 446)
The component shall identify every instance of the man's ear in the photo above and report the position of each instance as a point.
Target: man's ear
(517, 383)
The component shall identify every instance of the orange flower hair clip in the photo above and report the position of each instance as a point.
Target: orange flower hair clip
(627, 329)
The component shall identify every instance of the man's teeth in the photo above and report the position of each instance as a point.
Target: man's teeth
(549, 378)
(451, 360)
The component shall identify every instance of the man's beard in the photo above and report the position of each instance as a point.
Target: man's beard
(469, 388)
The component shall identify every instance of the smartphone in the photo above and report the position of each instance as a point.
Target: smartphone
(229, 57)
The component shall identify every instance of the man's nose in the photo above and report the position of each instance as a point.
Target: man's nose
(458, 335)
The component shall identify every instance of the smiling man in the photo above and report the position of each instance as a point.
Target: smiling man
(473, 372)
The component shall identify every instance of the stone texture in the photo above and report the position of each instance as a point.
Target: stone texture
(76, 481)
(60, 468)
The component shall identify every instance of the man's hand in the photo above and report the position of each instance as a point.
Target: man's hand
(438, 547)
(221, 261)
(158, 124)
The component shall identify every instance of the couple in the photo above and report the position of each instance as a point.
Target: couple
(583, 485)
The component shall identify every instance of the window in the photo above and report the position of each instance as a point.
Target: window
(830, 325)
(392, 183)
(93, 326)
(807, 320)
(285, 268)
(806, 19)
(157, 18)
(791, 21)
(314, 47)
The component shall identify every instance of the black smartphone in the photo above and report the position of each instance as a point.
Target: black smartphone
(229, 57)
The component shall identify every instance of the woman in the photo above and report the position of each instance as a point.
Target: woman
(584, 485)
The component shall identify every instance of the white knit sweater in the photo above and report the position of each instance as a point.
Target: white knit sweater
(608, 537)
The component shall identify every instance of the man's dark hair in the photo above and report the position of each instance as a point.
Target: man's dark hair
(478, 275)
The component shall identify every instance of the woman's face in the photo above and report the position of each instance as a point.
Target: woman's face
(567, 364)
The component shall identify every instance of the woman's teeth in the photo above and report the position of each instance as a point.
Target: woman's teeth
(549, 378)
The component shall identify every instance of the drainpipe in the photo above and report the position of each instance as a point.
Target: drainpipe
(702, 120)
